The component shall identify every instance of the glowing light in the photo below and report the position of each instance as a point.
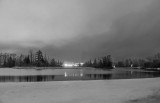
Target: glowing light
(81, 74)
(68, 65)
(65, 74)
(72, 64)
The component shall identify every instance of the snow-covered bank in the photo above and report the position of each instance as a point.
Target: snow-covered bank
(109, 91)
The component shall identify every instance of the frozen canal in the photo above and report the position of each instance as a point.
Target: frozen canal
(32, 75)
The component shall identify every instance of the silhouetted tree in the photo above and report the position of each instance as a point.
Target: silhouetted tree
(39, 58)
(104, 62)
(95, 63)
(53, 63)
(26, 61)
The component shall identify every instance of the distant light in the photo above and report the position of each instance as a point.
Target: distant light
(72, 64)
(75, 65)
(81, 64)
(68, 65)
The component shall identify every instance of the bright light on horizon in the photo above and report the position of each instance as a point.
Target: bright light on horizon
(72, 64)
(68, 65)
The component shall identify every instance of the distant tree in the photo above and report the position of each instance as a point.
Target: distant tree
(11, 62)
(31, 57)
(53, 63)
(39, 58)
(120, 64)
(100, 64)
(21, 63)
(109, 61)
(95, 63)
(59, 63)
(27, 61)
(104, 62)
(46, 62)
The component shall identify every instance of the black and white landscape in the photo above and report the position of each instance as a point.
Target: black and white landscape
(79, 51)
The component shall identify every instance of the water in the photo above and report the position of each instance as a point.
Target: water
(76, 74)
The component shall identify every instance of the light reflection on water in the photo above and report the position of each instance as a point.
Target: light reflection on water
(80, 75)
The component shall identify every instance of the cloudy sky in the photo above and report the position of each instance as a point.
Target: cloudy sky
(73, 30)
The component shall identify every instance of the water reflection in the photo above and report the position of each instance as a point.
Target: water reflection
(97, 76)
(73, 74)
(78, 76)
(33, 78)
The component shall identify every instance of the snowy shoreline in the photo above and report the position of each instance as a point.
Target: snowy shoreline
(97, 91)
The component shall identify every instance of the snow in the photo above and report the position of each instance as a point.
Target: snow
(102, 91)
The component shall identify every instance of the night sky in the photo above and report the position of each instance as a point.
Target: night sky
(76, 30)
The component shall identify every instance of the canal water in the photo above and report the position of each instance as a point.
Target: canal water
(75, 74)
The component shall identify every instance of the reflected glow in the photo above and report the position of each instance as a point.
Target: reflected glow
(81, 74)
(73, 75)
(65, 74)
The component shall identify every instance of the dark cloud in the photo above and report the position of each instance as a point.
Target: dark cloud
(135, 34)
(76, 30)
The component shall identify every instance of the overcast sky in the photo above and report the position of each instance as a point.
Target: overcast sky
(73, 30)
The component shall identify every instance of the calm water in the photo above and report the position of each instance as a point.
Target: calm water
(77, 74)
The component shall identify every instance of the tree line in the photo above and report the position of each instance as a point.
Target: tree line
(32, 59)
(39, 59)
(149, 62)
(104, 62)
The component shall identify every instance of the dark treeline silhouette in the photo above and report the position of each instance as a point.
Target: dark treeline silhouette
(128, 62)
(32, 59)
(103, 62)
(106, 62)
(149, 62)
(38, 59)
